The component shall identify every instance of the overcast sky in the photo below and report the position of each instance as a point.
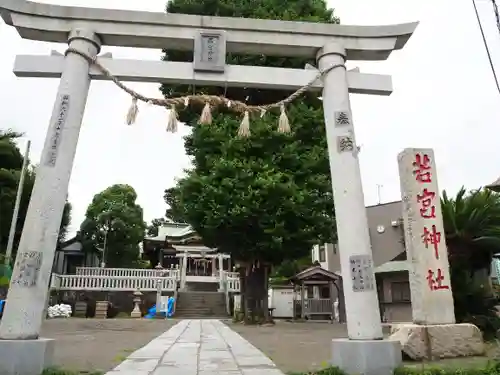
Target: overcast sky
(445, 98)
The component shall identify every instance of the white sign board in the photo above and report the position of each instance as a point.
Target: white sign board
(431, 295)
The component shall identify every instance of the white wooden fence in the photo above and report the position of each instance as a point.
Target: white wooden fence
(319, 306)
(233, 285)
(112, 283)
(126, 279)
(126, 272)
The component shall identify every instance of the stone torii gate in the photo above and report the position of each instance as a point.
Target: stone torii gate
(86, 30)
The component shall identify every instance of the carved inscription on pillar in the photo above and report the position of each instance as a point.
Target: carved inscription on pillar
(342, 118)
(362, 276)
(57, 131)
(429, 276)
(345, 143)
(27, 269)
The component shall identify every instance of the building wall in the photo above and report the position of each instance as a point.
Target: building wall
(329, 260)
(385, 228)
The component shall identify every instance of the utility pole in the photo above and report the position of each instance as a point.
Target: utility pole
(379, 193)
(17, 204)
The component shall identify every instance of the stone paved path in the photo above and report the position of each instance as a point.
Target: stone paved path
(198, 347)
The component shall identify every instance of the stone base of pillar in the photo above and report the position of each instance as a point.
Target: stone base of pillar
(438, 341)
(27, 357)
(368, 357)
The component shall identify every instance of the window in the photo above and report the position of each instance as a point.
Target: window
(309, 291)
(400, 291)
(324, 292)
(322, 254)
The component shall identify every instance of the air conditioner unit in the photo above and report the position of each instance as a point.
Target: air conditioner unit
(395, 223)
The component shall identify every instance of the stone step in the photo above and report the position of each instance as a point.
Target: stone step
(192, 304)
(201, 301)
(197, 313)
(201, 293)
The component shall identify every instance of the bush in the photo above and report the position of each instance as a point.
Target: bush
(491, 369)
(474, 304)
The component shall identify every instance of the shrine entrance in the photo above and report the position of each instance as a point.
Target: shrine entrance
(87, 29)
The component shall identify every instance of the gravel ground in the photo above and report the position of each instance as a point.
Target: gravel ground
(93, 344)
(305, 346)
(297, 347)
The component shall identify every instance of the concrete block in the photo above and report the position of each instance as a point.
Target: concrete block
(367, 357)
(26, 357)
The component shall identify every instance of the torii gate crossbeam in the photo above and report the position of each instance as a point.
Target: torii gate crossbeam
(86, 30)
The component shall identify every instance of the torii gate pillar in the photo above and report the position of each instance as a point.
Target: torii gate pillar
(365, 351)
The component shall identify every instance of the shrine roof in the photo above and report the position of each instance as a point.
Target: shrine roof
(172, 231)
(126, 28)
(197, 248)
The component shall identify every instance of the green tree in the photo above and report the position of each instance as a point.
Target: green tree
(11, 161)
(114, 224)
(174, 211)
(472, 226)
(266, 198)
(152, 229)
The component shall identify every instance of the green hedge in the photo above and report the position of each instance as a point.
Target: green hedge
(491, 369)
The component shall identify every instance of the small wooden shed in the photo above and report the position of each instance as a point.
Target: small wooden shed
(319, 289)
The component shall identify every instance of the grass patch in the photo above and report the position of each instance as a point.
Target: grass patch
(59, 371)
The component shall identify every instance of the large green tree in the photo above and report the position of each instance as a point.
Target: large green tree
(152, 229)
(266, 198)
(114, 226)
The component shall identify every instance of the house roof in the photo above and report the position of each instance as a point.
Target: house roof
(73, 244)
(315, 272)
(394, 266)
(495, 186)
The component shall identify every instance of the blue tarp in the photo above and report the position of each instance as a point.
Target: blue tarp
(2, 304)
(169, 313)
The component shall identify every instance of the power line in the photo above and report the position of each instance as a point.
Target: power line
(485, 42)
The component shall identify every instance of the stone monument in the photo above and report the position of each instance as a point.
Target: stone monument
(433, 333)
(87, 29)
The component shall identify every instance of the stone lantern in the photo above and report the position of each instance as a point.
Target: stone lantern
(136, 312)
